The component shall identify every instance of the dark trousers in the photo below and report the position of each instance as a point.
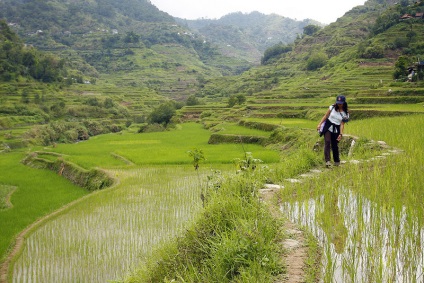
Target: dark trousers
(330, 141)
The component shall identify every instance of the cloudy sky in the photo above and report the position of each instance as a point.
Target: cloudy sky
(324, 11)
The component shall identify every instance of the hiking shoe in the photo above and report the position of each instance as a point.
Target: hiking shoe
(328, 163)
(336, 163)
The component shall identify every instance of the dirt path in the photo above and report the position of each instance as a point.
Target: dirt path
(296, 252)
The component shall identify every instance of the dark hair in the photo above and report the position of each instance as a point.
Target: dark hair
(345, 107)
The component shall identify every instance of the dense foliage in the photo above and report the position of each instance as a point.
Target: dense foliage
(18, 60)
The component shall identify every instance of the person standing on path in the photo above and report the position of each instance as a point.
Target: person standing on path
(332, 126)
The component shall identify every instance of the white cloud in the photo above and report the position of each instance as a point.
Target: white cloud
(324, 11)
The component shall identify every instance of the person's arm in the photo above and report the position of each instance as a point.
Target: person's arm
(341, 131)
(323, 119)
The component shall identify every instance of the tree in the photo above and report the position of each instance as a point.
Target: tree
(108, 103)
(311, 29)
(240, 99)
(163, 113)
(232, 101)
(192, 100)
(317, 61)
(25, 97)
(274, 52)
(131, 37)
(236, 99)
(401, 67)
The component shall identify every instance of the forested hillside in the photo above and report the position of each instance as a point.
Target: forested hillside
(19, 60)
(123, 69)
(249, 35)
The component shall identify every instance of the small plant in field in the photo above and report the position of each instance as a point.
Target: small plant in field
(248, 163)
(198, 156)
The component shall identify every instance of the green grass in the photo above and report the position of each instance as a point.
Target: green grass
(38, 192)
(5, 193)
(235, 239)
(163, 148)
(286, 122)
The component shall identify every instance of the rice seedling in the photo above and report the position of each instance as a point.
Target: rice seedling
(235, 239)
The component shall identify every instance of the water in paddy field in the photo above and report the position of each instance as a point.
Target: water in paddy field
(361, 240)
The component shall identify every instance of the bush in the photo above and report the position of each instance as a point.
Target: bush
(192, 100)
(163, 113)
(316, 61)
(148, 128)
(373, 52)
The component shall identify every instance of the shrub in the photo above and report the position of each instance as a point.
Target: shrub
(148, 128)
(162, 114)
(373, 52)
(316, 61)
(192, 100)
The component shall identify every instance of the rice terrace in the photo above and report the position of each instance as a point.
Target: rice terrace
(132, 149)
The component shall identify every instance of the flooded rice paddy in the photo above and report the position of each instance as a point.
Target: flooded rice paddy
(103, 237)
(362, 241)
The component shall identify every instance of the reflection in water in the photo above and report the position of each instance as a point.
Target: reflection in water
(362, 241)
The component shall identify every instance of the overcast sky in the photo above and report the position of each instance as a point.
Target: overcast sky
(324, 11)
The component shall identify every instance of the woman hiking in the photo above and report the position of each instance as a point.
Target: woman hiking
(332, 126)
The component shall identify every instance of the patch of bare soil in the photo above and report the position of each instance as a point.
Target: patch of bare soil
(294, 249)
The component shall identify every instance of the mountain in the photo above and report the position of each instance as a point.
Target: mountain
(247, 36)
(127, 43)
